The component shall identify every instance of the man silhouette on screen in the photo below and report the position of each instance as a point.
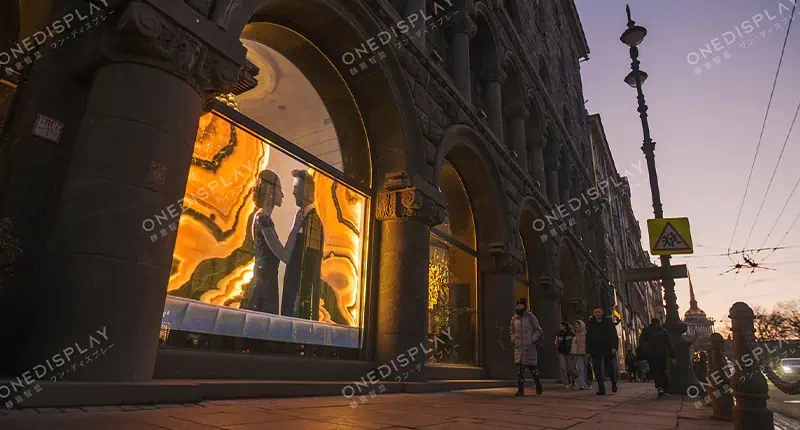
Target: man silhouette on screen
(301, 279)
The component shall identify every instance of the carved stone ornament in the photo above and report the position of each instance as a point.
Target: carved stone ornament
(405, 200)
(551, 288)
(158, 34)
(505, 260)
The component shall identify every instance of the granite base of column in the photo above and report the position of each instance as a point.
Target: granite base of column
(498, 309)
(403, 295)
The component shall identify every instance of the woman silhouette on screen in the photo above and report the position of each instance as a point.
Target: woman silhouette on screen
(268, 251)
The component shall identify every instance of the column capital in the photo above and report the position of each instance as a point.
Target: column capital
(493, 74)
(177, 38)
(551, 287)
(411, 199)
(505, 259)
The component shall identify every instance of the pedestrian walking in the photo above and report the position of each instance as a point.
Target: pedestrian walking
(601, 345)
(656, 346)
(566, 361)
(579, 352)
(632, 364)
(525, 335)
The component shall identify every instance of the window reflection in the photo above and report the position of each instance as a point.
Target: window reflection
(452, 279)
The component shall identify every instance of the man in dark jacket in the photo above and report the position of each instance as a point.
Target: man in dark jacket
(654, 346)
(601, 344)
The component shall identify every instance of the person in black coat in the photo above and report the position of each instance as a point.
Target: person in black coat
(655, 346)
(601, 344)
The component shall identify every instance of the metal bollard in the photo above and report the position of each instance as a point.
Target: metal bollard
(723, 405)
(750, 388)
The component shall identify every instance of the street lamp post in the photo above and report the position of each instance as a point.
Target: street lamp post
(681, 373)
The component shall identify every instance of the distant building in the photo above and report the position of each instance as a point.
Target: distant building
(634, 303)
(699, 326)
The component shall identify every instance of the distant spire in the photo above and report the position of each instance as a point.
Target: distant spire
(692, 299)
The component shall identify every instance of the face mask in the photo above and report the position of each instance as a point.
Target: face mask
(520, 311)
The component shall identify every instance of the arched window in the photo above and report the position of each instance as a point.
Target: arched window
(452, 287)
(271, 233)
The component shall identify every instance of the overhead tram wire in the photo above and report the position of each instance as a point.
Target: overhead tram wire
(774, 171)
(784, 236)
(783, 209)
(763, 127)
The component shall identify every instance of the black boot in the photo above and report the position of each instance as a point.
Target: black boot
(520, 389)
(538, 386)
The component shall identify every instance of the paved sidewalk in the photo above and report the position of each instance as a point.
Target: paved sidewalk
(634, 407)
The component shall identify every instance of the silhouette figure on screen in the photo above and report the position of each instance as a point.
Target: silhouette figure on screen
(268, 249)
(301, 281)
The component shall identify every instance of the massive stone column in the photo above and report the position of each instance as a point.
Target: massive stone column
(153, 70)
(547, 306)
(517, 114)
(497, 300)
(536, 167)
(464, 29)
(406, 210)
(494, 77)
(552, 165)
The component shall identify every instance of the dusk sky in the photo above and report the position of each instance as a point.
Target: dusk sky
(706, 127)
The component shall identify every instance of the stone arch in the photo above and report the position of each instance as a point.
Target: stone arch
(464, 148)
(530, 231)
(392, 130)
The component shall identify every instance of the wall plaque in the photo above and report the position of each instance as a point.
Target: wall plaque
(48, 128)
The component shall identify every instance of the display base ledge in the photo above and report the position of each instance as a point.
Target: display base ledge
(146, 395)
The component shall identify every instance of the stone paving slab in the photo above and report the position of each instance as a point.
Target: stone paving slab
(634, 407)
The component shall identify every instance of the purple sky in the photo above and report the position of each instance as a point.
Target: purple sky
(706, 127)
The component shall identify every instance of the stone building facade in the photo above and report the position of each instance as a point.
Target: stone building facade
(637, 302)
(444, 158)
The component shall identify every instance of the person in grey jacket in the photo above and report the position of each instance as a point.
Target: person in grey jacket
(525, 334)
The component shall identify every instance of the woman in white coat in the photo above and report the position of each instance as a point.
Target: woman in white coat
(525, 334)
(579, 351)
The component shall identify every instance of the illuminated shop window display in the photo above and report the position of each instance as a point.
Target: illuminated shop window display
(270, 248)
(452, 285)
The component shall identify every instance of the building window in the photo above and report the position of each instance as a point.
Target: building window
(452, 286)
(272, 232)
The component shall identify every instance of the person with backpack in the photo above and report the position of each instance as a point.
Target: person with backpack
(655, 346)
(526, 334)
(579, 352)
(601, 345)
(566, 362)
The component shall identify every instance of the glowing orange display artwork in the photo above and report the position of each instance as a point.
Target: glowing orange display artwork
(211, 255)
(218, 199)
(342, 214)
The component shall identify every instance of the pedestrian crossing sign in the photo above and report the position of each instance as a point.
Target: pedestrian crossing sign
(669, 236)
